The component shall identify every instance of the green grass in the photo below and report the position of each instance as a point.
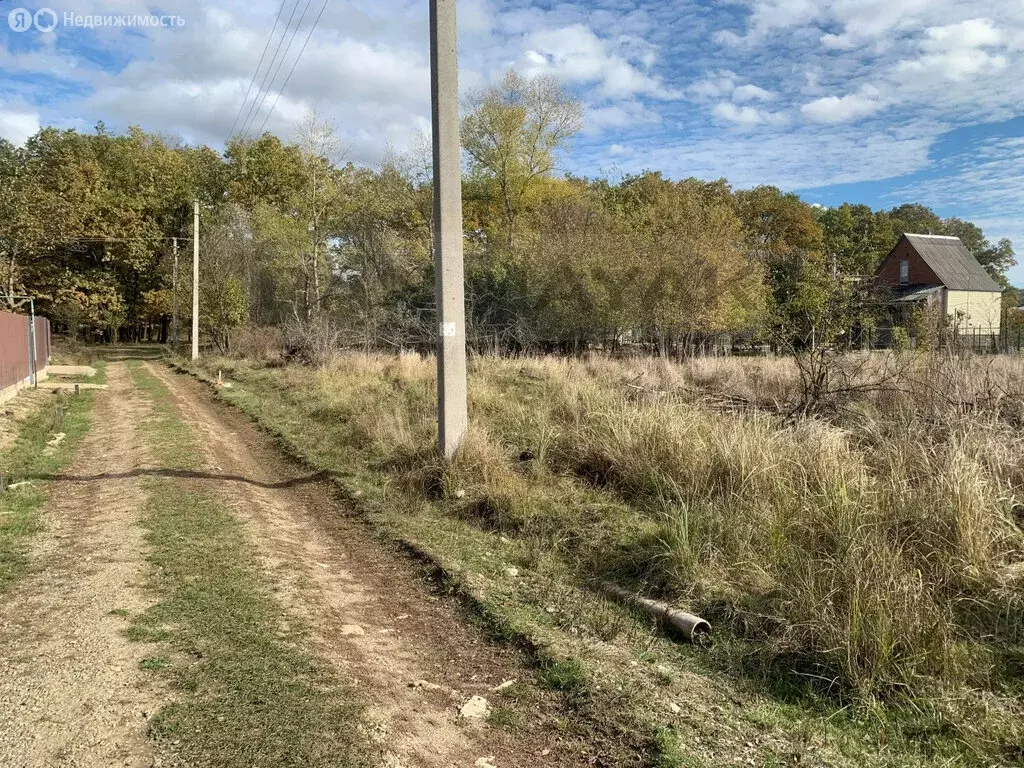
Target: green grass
(246, 693)
(671, 753)
(568, 675)
(30, 459)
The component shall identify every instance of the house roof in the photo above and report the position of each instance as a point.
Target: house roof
(952, 263)
(917, 293)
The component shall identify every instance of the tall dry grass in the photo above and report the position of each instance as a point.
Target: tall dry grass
(879, 550)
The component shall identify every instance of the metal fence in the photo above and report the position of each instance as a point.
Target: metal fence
(994, 340)
(24, 351)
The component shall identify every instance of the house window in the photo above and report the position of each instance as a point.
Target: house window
(905, 272)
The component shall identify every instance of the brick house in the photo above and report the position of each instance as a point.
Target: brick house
(939, 272)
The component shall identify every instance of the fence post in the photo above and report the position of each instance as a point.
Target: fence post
(31, 362)
(34, 367)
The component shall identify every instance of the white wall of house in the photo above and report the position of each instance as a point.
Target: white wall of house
(979, 309)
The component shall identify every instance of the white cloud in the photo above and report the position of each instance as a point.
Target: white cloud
(982, 183)
(746, 115)
(624, 114)
(972, 33)
(789, 160)
(714, 85)
(957, 51)
(985, 175)
(576, 55)
(843, 109)
(751, 93)
(17, 125)
(858, 21)
(805, 93)
(194, 79)
(768, 16)
(476, 17)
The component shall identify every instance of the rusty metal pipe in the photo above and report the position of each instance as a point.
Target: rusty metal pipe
(691, 628)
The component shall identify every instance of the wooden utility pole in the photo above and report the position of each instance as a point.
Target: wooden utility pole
(453, 418)
(195, 283)
(174, 300)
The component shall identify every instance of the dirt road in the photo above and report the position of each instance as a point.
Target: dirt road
(409, 651)
(71, 691)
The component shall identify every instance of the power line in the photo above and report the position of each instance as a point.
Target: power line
(139, 239)
(280, 13)
(273, 79)
(263, 82)
(294, 65)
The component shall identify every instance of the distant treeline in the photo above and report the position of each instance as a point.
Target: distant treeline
(294, 235)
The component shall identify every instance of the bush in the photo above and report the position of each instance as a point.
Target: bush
(261, 344)
(312, 342)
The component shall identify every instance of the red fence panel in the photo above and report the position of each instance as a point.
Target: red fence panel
(42, 343)
(15, 343)
(14, 367)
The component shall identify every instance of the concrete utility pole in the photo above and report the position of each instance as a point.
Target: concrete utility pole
(452, 410)
(174, 316)
(195, 284)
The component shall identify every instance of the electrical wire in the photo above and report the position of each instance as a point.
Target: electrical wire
(249, 114)
(280, 63)
(140, 239)
(280, 13)
(294, 65)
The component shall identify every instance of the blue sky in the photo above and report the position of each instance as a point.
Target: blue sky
(873, 101)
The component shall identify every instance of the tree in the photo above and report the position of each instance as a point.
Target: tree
(321, 151)
(223, 299)
(384, 246)
(998, 259)
(269, 181)
(21, 229)
(513, 133)
(686, 247)
(579, 283)
(855, 238)
(297, 238)
(780, 227)
(915, 218)
(783, 236)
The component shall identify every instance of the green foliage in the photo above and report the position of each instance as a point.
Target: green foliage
(900, 339)
(513, 134)
(856, 239)
(292, 236)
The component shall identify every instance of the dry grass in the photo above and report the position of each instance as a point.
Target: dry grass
(878, 552)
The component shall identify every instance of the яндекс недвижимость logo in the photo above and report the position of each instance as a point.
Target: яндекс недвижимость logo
(46, 20)
(22, 20)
